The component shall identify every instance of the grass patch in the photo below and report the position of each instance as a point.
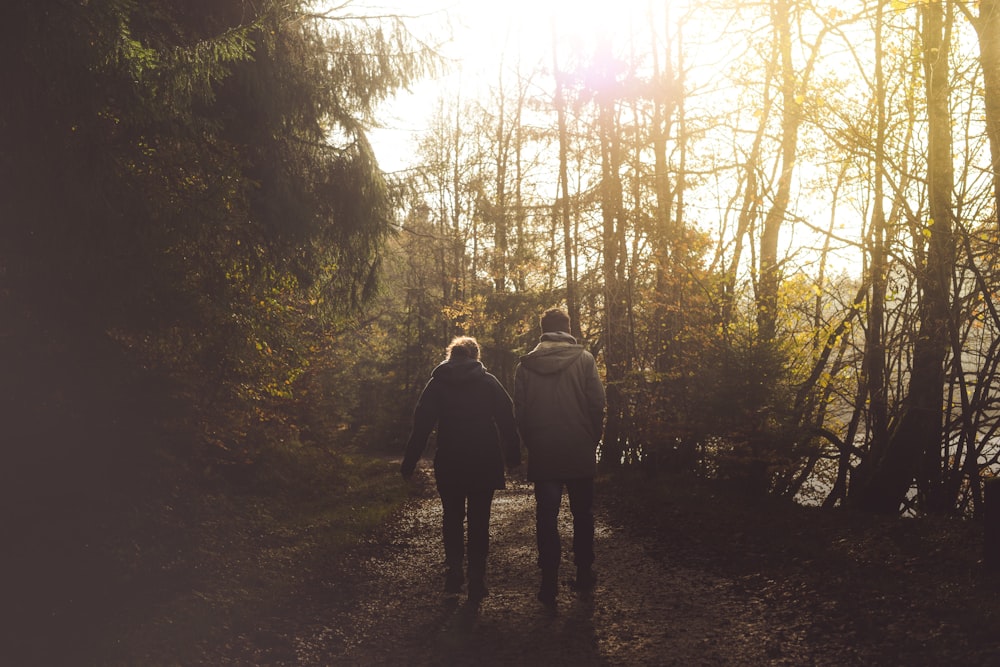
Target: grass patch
(181, 577)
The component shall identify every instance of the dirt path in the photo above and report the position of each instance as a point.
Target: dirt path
(389, 607)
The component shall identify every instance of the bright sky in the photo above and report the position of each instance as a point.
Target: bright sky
(484, 33)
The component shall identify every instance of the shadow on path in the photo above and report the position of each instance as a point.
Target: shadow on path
(640, 613)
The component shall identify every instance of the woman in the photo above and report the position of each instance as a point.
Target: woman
(472, 412)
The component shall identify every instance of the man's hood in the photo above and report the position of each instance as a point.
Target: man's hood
(553, 353)
(459, 371)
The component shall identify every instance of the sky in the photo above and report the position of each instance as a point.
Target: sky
(483, 35)
(478, 32)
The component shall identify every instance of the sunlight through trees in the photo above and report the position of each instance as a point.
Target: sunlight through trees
(792, 198)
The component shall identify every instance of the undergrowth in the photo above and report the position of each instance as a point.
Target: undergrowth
(903, 590)
(162, 580)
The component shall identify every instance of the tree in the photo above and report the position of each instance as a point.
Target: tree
(803, 347)
(915, 444)
(987, 26)
(191, 202)
(563, 198)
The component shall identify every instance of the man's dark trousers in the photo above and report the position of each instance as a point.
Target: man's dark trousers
(548, 497)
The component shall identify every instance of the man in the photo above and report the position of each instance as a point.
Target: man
(559, 405)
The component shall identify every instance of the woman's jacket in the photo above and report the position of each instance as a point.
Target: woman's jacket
(473, 414)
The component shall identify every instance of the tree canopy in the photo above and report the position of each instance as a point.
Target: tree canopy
(190, 201)
(781, 251)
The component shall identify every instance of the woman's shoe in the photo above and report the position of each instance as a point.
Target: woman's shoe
(547, 592)
(453, 581)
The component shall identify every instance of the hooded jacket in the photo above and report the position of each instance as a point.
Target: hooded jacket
(559, 405)
(472, 412)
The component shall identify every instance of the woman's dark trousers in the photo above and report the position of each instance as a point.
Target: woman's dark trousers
(459, 503)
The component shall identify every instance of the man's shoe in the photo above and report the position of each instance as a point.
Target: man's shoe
(477, 591)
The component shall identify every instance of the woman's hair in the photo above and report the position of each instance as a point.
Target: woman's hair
(463, 347)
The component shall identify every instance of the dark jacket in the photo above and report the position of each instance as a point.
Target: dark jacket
(472, 411)
(559, 405)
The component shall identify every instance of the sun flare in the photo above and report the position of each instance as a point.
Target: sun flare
(528, 27)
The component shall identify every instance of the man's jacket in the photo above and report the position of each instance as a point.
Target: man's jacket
(559, 405)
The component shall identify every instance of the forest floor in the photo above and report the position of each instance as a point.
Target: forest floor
(687, 575)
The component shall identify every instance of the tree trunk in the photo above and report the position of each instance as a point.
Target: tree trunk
(874, 356)
(500, 208)
(615, 311)
(988, 29)
(769, 281)
(666, 98)
(572, 305)
(914, 447)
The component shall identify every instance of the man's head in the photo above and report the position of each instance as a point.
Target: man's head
(463, 347)
(555, 319)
